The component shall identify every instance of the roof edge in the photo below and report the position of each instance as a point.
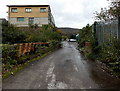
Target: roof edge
(28, 5)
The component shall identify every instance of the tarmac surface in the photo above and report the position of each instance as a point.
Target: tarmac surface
(65, 68)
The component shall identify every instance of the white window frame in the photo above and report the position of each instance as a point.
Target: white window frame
(43, 11)
(28, 10)
(14, 10)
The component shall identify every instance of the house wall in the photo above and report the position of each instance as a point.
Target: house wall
(25, 23)
(35, 12)
(41, 21)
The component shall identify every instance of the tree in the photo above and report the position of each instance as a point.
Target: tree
(114, 9)
(113, 12)
(86, 35)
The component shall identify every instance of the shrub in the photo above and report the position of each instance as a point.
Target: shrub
(11, 35)
(110, 51)
(9, 54)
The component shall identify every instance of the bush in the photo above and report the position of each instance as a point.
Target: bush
(86, 35)
(110, 51)
(11, 34)
(10, 59)
(9, 54)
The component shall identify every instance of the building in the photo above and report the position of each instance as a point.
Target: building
(24, 15)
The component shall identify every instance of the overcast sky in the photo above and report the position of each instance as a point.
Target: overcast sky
(67, 13)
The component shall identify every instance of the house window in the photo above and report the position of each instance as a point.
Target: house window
(28, 10)
(20, 19)
(31, 20)
(42, 9)
(14, 10)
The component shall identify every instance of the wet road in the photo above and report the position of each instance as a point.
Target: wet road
(65, 68)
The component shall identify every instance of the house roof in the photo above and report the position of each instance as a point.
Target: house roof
(28, 5)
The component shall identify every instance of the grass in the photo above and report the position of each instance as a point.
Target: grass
(20, 67)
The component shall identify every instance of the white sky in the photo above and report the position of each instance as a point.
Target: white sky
(67, 13)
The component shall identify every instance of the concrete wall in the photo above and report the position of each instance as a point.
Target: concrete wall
(41, 21)
(19, 23)
(25, 23)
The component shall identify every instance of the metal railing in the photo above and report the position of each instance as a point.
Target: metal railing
(107, 30)
(28, 47)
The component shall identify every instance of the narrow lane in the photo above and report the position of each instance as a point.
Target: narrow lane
(66, 68)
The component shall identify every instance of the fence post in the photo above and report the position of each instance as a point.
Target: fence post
(119, 27)
(20, 50)
(25, 48)
(29, 48)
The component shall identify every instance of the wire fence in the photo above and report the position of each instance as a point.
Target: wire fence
(105, 31)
